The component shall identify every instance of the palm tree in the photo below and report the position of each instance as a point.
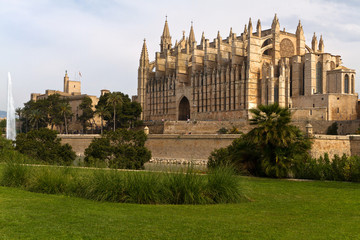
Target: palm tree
(114, 100)
(277, 140)
(65, 111)
(102, 112)
(35, 117)
(19, 113)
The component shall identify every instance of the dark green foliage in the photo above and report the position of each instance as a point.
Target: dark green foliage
(338, 169)
(222, 130)
(120, 149)
(332, 129)
(219, 186)
(53, 111)
(14, 175)
(87, 113)
(5, 144)
(269, 149)
(126, 113)
(44, 145)
(2, 126)
(222, 186)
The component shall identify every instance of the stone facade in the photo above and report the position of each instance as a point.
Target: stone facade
(225, 78)
(72, 91)
(174, 148)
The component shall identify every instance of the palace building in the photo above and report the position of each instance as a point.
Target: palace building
(223, 79)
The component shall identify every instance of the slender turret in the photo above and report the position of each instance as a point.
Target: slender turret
(314, 43)
(321, 44)
(165, 38)
(258, 28)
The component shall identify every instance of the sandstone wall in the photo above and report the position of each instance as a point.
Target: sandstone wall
(78, 142)
(186, 148)
(197, 147)
(330, 144)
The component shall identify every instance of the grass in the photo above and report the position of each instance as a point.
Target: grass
(279, 209)
(218, 186)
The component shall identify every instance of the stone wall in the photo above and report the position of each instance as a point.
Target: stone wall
(79, 142)
(186, 148)
(196, 148)
(211, 127)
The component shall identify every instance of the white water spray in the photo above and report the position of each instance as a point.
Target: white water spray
(10, 117)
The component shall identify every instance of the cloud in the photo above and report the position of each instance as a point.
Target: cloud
(40, 39)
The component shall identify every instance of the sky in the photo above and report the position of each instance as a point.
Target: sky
(102, 39)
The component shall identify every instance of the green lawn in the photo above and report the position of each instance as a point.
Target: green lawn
(279, 209)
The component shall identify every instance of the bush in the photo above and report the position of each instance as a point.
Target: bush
(269, 149)
(14, 175)
(44, 145)
(222, 130)
(338, 169)
(120, 149)
(219, 186)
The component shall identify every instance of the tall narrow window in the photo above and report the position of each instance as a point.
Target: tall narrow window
(318, 77)
(346, 84)
(352, 84)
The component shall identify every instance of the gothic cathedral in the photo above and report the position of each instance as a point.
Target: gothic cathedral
(225, 78)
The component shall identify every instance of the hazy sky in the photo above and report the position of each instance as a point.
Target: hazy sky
(40, 39)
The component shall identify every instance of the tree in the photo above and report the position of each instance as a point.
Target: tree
(36, 117)
(87, 112)
(127, 113)
(120, 149)
(65, 111)
(271, 147)
(102, 112)
(18, 112)
(114, 100)
(44, 145)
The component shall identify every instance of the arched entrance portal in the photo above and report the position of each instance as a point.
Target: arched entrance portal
(184, 109)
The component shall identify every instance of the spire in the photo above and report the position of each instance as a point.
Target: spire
(299, 29)
(144, 57)
(218, 35)
(321, 45)
(250, 27)
(166, 32)
(275, 24)
(202, 39)
(66, 75)
(165, 38)
(258, 28)
(245, 29)
(191, 35)
(314, 43)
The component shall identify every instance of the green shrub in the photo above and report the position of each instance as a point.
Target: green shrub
(223, 187)
(219, 186)
(44, 145)
(222, 130)
(143, 188)
(15, 175)
(49, 180)
(120, 149)
(185, 188)
(102, 186)
(270, 149)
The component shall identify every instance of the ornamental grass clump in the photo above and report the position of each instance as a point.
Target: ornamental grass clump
(219, 186)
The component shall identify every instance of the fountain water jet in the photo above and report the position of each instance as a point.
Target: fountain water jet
(10, 117)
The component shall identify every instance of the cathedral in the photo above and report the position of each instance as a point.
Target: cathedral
(223, 79)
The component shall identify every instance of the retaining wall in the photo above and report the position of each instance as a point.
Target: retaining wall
(196, 148)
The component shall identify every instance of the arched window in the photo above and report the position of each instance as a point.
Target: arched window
(346, 84)
(352, 84)
(318, 77)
